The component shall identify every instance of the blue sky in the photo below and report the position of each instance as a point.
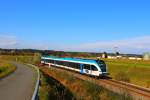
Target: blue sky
(76, 25)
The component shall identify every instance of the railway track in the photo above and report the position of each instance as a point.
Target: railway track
(137, 92)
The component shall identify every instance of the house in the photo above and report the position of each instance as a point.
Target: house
(146, 56)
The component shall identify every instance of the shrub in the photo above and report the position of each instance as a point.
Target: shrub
(6, 68)
(51, 89)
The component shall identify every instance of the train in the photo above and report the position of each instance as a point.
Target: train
(90, 67)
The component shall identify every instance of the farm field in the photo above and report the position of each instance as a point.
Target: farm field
(133, 71)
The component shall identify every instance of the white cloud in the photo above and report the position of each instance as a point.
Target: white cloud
(7, 40)
(131, 45)
(139, 42)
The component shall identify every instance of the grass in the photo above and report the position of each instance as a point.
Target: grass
(23, 59)
(136, 72)
(52, 89)
(83, 90)
(6, 68)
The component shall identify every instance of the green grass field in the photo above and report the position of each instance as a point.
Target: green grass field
(138, 72)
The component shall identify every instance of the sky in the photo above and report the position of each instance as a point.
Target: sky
(76, 25)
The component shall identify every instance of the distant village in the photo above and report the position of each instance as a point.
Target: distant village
(145, 56)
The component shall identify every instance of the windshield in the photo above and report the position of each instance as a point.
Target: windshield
(101, 63)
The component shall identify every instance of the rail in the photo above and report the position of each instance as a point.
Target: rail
(138, 90)
(35, 93)
(132, 85)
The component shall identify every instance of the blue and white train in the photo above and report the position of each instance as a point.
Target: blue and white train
(83, 66)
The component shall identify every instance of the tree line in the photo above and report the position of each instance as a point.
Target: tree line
(31, 52)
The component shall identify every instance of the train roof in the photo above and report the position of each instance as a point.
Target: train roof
(78, 60)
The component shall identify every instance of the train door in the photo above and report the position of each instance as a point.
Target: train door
(87, 69)
(81, 68)
(90, 69)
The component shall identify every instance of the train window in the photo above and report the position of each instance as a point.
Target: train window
(101, 63)
(86, 66)
(57, 62)
(49, 61)
(60, 62)
(53, 61)
(77, 65)
(94, 68)
(69, 64)
(65, 63)
(72, 65)
(46, 60)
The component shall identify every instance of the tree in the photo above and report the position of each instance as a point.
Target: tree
(117, 53)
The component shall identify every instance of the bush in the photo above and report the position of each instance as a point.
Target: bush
(6, 68)
(122, 76)
(51, 89)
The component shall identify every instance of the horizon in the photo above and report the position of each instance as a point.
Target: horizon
(73, 51)
(78, 26)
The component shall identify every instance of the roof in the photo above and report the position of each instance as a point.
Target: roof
(89, 61)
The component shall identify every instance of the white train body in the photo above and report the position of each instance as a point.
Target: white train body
(83, 66)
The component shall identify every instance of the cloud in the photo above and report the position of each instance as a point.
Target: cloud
(7, 40)
(131, 45)
(139, 42)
